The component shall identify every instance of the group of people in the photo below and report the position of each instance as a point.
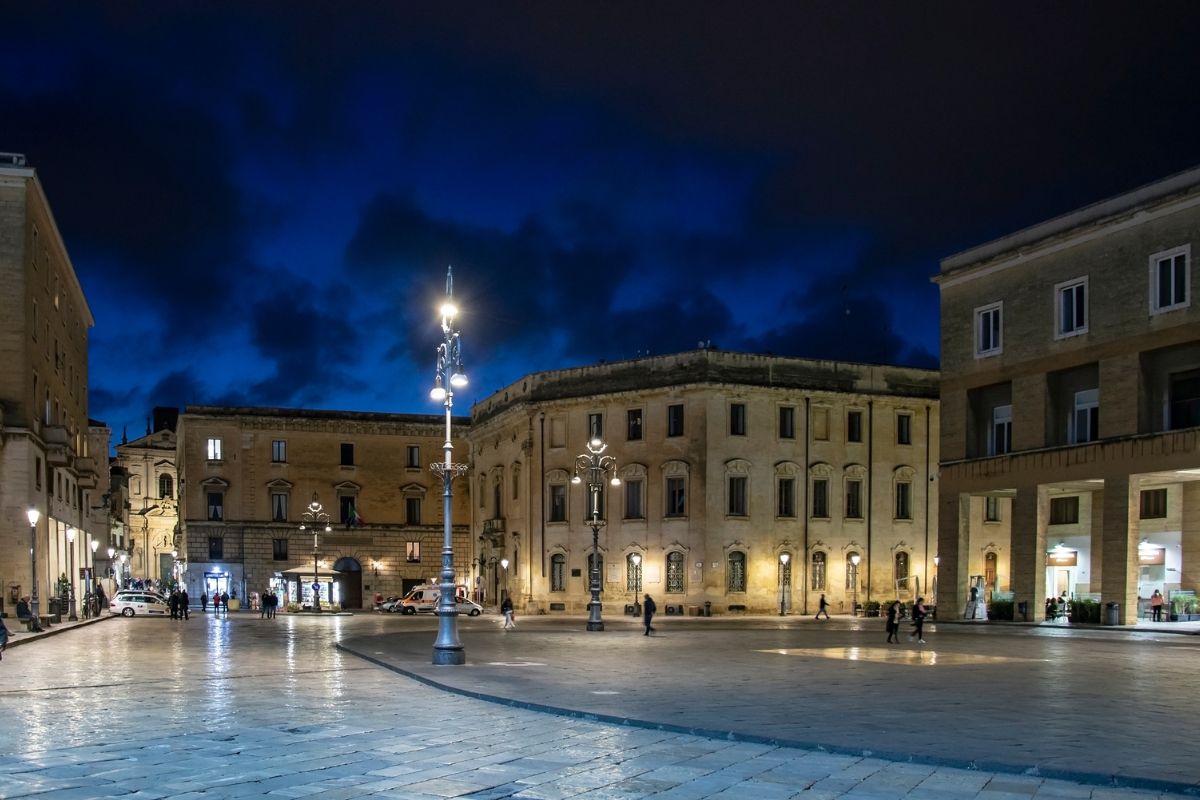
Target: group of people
(896, 613)
(178, 601)
(267, 604)
(220, 600)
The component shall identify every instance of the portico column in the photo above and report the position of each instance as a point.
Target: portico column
(1118, 556)
(1030, 510)
(954, 535)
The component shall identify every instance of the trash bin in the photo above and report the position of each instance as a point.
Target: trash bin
(708, 608)
(1112, 613)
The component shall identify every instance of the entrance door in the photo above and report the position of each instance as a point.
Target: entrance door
(216, 583)
(350, 589)
(1062, 582)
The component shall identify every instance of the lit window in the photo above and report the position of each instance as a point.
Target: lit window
(736, 569)
(412, 552)
(214, 449)
(818, 571)
(676, 577)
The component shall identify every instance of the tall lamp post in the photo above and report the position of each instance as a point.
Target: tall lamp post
(596, 466)
(784, 582)
(854, 559)
(71, 616)
(448, 376)
(94, 544)
(34, 515)
(111, 552)
(504, 566)
(316, 517)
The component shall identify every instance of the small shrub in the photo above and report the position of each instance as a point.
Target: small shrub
(1085, 611)
(293, 608)
(1000, 609)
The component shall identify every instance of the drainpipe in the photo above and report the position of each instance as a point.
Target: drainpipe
(542, 487)
(870, 487)
(928, 480)
(807, 487)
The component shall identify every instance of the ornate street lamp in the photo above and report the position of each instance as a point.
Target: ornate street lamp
(596, 466)
(71, 616)
(33, 515)
(449, 375)
(636, 560)
(784, 582)
(111, 552)
(854, 559)
(316, 517)
(504, 566)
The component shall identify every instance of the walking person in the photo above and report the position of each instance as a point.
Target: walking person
(183, 603)
(823, 608)
(203, 601)
(918, 614)
(893, 622)
(506, 607)
(264, 604)
(225, 602)
(648, 609)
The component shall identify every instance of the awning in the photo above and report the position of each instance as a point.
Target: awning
(307, 572)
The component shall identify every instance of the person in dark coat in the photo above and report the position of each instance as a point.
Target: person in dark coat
(173, 602)
(225, 602)
(918, 615)
(822, 608)
(648, 609)
(203, 601)
(893, 622)
(183, 604)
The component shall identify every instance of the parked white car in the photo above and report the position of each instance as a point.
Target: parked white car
(130, 602)
(424, 599)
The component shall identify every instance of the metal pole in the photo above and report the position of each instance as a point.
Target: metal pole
(594, 622)
(72, 617)
(36, 624)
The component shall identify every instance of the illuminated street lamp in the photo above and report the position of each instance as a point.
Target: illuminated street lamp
(94, 544)
(448, 376)
(33, 515)
(636, 560)
(111, 552)
(504, 566)
(597, 466)
(854, 559)
(316, 516)
(937, 560)
(784, 582)
(71, 616)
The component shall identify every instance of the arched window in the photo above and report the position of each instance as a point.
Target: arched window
(736, 572)
(166, 486)
(818, 571)
(558, 573)
(676, 577)
(633, 572)
(852, 570)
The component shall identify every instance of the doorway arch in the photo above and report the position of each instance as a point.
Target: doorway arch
(350, 578)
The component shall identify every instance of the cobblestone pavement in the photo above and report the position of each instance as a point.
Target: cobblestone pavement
(243, 707)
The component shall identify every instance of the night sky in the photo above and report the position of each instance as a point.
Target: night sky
(261, 199)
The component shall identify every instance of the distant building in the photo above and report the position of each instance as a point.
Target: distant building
(153, 484)
(728, 461)
(1071, 407)
(247, 477)
(47, 460)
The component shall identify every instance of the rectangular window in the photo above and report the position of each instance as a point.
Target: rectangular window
(216, 548)
(558, 569)
(820, 424)
(786, 491)
(1064, 510)
(854, 426)
(676, 499)
(633, 425)
(1000, 433)
(676, 579)
(558, 502)
(412, 552)
(991, 509)
(346, 511)
(1071, 308)
(989, 330)
(634, 507)
(854, 499)
(787, 422)
(37, 473)
(1085, 422)
(904, 429)
(279, 549)
(412, 458)
(278, 451)
(347, 454)
(1184, 409)
(216, 506)
(903, 500)
(214, 449)
(737, 496)
(279, 506)
(412, 511)
(675, 420)
(1170, 281)
(1154, 504)
(595, 426)
(820, 498)
(737, 419)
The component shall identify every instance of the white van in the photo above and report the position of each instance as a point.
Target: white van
(423, 599)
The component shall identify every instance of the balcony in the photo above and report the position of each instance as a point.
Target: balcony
(86, 467)
(493, 528)
(58, 445)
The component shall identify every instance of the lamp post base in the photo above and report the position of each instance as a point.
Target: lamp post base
(449, 657)
(594, 622)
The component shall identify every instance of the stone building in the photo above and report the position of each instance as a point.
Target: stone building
(46, 463)
(148, 463)
(1070, 404)
(728, 461)
(247, 477)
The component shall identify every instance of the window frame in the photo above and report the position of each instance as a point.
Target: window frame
(1064, 510)
(820, 498)
(904, 425)
(1005, 419)
(1080, 327)
(595, 425)
(412, 456)
(991, 509)
(676, 573)
(346, 454)
(1086, 402)
(213, 449)
(558, 572)
(737, 419)
(785, 497)
(633, 425)
(556, 511)
(737, 488)
(735, 572)
(853, 505)
(675, 420)
(818, 566)
(1152, 503)
(279, 451)
(412, 551)
(675, 494)
(216, 511)
(854, 427)
(1156, 260)
(787, 422)
(412, 503)
(635, 498)
(216, 548)
(903, 509)
(279, 506)
(994, 348)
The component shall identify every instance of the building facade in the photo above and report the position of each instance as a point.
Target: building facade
(1070, 401)
(249, 478)
(748, 482)
(46, 460)
(152, 481)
